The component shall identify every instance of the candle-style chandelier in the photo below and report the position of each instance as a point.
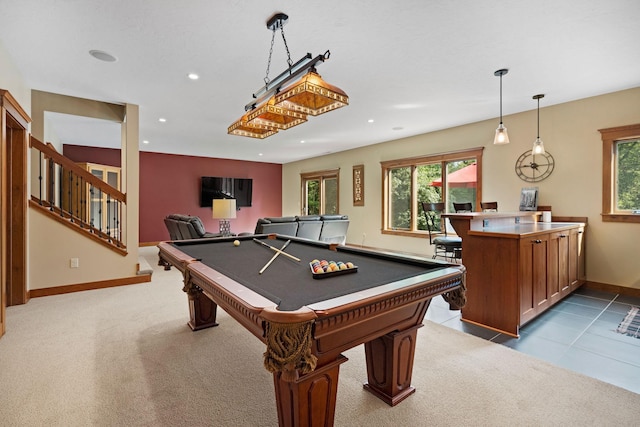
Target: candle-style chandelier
(285, 101)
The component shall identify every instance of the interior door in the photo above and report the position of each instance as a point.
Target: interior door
(13, 204)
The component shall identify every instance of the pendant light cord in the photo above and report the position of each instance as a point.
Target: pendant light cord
(286, 46)
(538, 136)
(500, 99)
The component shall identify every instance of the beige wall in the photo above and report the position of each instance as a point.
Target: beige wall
(49, 260)
(11, 80)
(570, 134)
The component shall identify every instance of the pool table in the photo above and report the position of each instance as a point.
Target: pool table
(306, 320)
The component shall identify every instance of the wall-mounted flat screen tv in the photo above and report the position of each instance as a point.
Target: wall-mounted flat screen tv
(213, 187)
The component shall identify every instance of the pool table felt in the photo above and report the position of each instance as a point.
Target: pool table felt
(288, 283)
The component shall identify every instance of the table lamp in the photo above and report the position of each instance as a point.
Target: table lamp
(224, 209)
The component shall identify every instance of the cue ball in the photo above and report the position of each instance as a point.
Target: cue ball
(236, 243)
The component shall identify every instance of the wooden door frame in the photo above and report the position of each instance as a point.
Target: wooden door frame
(14, 122)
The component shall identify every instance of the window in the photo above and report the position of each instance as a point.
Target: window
(449, 177)
(621, 174)
(320, 192)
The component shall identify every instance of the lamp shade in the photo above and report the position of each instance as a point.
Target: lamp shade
(538, 146)
(502, 137)
(274, 116)
(242, 127)
(224, 208)
(312, 95)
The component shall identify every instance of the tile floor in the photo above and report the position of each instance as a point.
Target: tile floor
(578, 333)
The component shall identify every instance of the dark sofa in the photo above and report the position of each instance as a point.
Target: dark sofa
(325, 228)
(183, 227)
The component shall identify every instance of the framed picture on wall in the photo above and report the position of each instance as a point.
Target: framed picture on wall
(529, 199)
(358, 185)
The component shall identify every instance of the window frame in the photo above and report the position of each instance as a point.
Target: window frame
(322, 176)
(610, 136)
(413, 162)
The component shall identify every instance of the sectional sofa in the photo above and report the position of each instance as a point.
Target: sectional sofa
(325, 228)
(182, 227)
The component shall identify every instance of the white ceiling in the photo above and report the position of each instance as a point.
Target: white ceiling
(413, 66)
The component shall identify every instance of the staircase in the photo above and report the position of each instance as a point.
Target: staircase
(74, 197)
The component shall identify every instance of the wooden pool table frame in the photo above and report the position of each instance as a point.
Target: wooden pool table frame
(386, 323)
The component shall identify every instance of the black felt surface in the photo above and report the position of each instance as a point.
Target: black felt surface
(290, 284)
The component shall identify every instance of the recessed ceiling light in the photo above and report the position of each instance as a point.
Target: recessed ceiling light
(302, 142)
(145, 142)
(102, 56)
(162, 119)
(370, 120)
(193, 76)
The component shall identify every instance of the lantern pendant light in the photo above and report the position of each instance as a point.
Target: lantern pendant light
(538, 145)
(502, 137)
(285, 101)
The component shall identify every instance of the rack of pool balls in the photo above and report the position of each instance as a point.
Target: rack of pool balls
(323, 268)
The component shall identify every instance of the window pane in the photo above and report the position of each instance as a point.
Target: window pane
(313, 197)
(461, 183)
(628, 175)
(331, 196)
(400, 198)
(429, 189)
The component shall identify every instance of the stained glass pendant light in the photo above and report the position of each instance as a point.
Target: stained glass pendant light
(242, 127)
(274, 108)
(312, 95)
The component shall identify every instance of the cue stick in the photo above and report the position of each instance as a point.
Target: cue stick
(274, 257)
(276, 249)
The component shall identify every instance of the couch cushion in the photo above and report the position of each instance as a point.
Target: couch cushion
(333, 217)
(308, 218)
(259, 224)
(334, 231)
(281, 219)
(179, 217)
(309, 229)
(198, 226)
(284, 228)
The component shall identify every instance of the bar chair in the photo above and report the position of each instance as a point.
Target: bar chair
(463, 207)
(489, 206)
(447, 247)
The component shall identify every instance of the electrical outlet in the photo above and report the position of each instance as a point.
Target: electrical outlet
(74, 263)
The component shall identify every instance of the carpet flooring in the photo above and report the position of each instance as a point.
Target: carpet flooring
(125, 357)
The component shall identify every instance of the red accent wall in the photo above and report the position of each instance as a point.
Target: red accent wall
(170, 183)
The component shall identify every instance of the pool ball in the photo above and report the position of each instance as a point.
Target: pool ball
(236, 243)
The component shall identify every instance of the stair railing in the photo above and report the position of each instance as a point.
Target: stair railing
(76, 197)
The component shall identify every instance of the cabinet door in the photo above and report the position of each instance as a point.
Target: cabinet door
(96, 212)
(558, 266)
(533, 277)
(577, 270)
(103, 214)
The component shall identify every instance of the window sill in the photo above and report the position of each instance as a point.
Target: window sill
(406, 233)
(621, 217)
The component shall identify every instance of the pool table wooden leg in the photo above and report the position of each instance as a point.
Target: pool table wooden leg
(202, 311)
(390, 365)
(309, 401)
